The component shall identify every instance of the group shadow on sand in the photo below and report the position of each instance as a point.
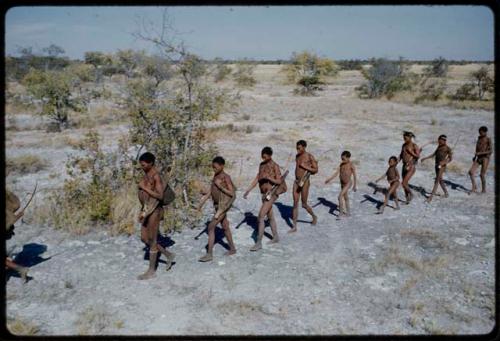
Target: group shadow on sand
(30, 254)
(286, 211)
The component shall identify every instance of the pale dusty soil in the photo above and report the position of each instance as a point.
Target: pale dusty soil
(421, 270)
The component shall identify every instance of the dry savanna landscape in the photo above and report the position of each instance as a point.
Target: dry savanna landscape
(427, 268)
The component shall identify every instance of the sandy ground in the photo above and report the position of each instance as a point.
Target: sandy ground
(426, 269)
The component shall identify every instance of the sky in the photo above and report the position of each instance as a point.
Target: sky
(265, 32)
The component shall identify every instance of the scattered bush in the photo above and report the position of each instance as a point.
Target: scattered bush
(221, 70)
(482, 81)
(437, 68)
(25, 164)
(385, 78)
(93, 321)
(308, 70)
(53, 88)
(243, 75)
(87, 195)
(431, 90)
(19, 326)
(465, 92)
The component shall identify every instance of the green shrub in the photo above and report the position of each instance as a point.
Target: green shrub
(308, 71)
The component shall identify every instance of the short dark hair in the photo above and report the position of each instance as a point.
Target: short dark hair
(346, 153)
(148, 157)
(442, 137)
(393, 158)
(302, 143)
(267, 151)
(219, 159)
(483, 128)
(408, 133)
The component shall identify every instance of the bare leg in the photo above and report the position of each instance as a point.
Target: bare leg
(347, 205)
(439, 173)
(345, 198)
(484, 168)
(304, 198)
(229, 236)
(266, 206)
(211, 239)
(441, 182)
(21, 270)
(295, 212)
(408, 173)
(274, 227)
(153, 221)
(395, 194)
(472, 174)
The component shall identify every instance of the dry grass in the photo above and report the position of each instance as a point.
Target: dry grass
(18, 326)
(92, 321)
(456, 167)
(124, 211)
(25, 164)
(425, 237)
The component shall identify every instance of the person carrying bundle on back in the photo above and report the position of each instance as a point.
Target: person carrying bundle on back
(223, 194)
(152, 195)
(271, 185)
(305, 165)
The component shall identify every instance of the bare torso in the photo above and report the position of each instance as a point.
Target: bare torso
(215, 191)
(303, 158)
(345, 172)
(267, 170)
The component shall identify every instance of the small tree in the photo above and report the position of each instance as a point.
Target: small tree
(431, 89)
(221, 70)
(482, 80)
(129, 60)
(437, 68)
(157, 67)
(385, 78)
(243, 75)
(308, 71)
(53, 88)
(465, 92)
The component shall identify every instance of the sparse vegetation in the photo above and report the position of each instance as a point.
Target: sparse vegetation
(385, 78)
(308, 72)
(243, 75)
(93, 321)
(18, 326)
(221, 70)
(53, 88)
(25, 164)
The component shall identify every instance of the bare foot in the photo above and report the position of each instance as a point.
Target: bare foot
(147, 275)
(23, 272)
(207, 258)
(429, 199)
(315, 220)
(256, 247)
(274, 240)
(397, 208)
(380, 211)
(292, 230)
(230, 252)
(446, 195)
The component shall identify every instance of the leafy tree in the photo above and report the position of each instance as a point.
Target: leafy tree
(437, 68)
(53, 88)
(385, 78)
(243, 75)
(308, 71)
(221, 70)
(483, 81)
